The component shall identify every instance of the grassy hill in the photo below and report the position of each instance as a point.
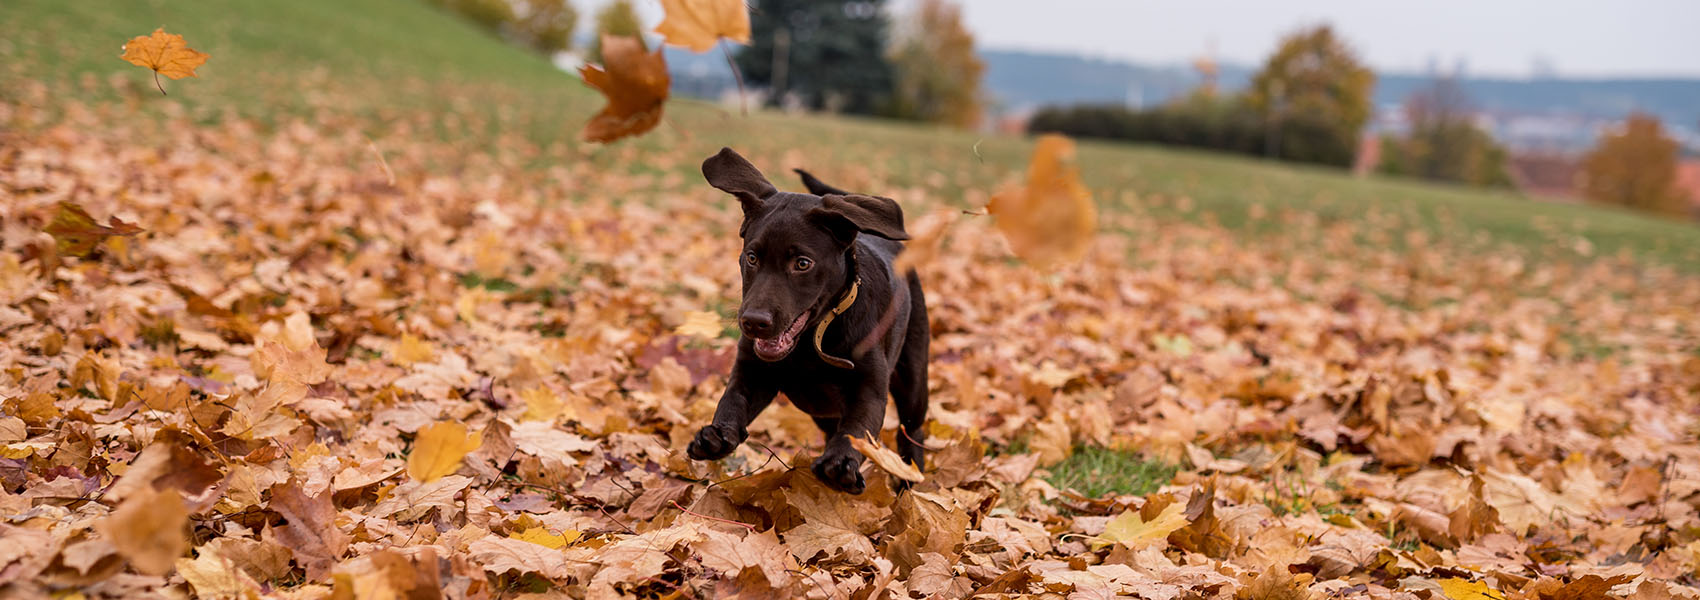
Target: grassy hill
(386, 60)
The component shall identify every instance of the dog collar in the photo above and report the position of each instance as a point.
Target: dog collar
(820, 330)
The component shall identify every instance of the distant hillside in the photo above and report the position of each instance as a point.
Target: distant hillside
(1022, 80)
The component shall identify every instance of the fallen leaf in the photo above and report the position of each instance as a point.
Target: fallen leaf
(149, 529)
(699, 24)
(77, 234)
(701, 323)
(1132, 530)
(438, 450)
(411, 349)
(886, 459)
(499, 555)
(164, 54)
(216, 577)
(636, 84)
(543, 537)
(1464, 589)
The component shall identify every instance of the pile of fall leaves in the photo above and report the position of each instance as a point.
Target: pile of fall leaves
(246, 363)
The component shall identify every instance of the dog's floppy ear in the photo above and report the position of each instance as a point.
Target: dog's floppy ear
(730, 173)
(845, 215)
(816, 187)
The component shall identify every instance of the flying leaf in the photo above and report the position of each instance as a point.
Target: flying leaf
(636, 85)
(439, 449)
(701, 323)
(75, 233)
(1134, 531)
(149, 528)
(886, 459)
(1051, 220)
(699, 24)
(165, 54)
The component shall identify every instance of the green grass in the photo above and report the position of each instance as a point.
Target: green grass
(385, 61)
(1096, 471)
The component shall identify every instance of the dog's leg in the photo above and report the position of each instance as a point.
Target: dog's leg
(738, 407)
(909, 380)
(827, 425)
(840, 465)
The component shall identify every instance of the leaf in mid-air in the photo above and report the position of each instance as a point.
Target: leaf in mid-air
(1050, 220)
(699, 24)
(77, 234)
(636, 84)
(164, 54)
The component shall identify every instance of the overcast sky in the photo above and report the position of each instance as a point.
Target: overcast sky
(1578, 38)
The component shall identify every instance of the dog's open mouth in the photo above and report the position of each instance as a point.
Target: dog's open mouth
(779, 346)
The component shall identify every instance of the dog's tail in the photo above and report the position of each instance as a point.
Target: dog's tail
(816, 186)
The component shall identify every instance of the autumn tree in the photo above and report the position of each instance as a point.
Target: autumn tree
(938, 72)
(1443, 144)
(617, 18)
(544, 25)
(1634, 166)
(820, 51)
(1314, 84)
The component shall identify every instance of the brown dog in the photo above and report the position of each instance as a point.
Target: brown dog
(817, 273)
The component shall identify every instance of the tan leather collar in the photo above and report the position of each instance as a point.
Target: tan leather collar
(820, 330)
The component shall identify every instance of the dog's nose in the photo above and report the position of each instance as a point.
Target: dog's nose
(757, 323)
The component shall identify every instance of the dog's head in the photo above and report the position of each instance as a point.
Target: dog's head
(796, 255)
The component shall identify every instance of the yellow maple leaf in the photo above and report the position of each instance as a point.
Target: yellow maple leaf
(542, 537)
(1050, 220)
(541, 404)
(439, 449)
(165, 54)
(1464, 589)
(701, 323)
(699, 24)
(1129, 529)
(411, 349)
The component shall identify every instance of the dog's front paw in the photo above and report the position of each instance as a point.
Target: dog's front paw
(714, 442)
(841, 471)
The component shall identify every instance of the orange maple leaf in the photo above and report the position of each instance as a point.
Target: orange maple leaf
(165, 54)
(1052, 219)
(636, 84)
(699, 24)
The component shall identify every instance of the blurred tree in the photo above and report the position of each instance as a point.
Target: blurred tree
(1313, 81)
(825, 52)
(938, 72)
(617, 18)
(1634, 166)
(1443, 144)
(489, 14)
(544, 25)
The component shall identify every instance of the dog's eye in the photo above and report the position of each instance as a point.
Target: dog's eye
(804, 264)
(750, 258)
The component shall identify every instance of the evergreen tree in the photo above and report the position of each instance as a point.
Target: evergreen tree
(828, 53)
